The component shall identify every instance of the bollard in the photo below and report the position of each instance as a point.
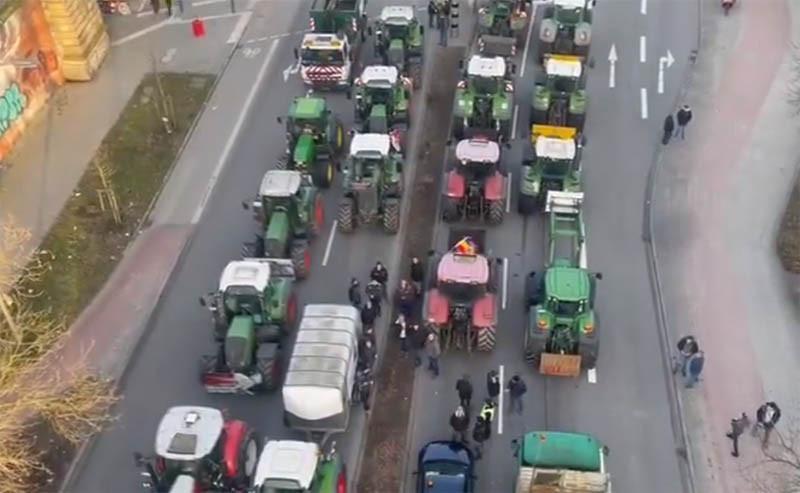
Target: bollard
(198, 28)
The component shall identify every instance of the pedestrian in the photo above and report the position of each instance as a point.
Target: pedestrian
(694, 366)
(354, 293)
(417, 275)
(364, 384)
(373, 292)
(417, 336)
(493, 384)
(367, 354)
(402, 333)
(454, 11)
(738, 425)
(684, 116)
(368, 315)
(406, 297)
(169, 7)
(432, 13)
(767, 416)
(433, 350)
(441, 20)
(487, 411)
(464, 389)
(687, 346)
(459, 421)
(480, 433)
(669, 127)
(516, 389)
(381, 275)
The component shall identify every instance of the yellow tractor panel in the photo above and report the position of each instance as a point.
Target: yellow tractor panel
(560, 365)
(553, 132)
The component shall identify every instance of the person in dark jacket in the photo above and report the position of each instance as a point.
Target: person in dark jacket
(480, 433)
(767, 416)
(441, 24)
(493, 384)
(684, 116)
(380, 274)
(417, 335)
(669, 127)
(367, 354)
(368, 314)
(464, 389)
(738, 425)
(432, 13)
(417, 274)
(374, 292)
(516, 389)
(354, 293)
(406, 297)
(687, 346)
(402, 333)
(459, 422)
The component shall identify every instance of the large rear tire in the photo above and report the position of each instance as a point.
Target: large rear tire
(322, 174)
(301, 259)
(486, 339)
(391, 215)
(450, 209)
(346, 214)
(282, 163)
(248, 459)
(318, 220)
(526, 204)
(268, 369)
(496, 212)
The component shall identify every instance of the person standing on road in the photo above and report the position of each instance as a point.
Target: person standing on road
(168, 3)
(694, 367)
(738, 425)
(380, 274)
(459, 421)
(464, 389)
(432, 13)
(480, 433)
(687, 346)
(684, 117)
(767, 416)
(487, 411)
(493, 384)
(417, 275)
(516, 389)
(402, 333)
(354, 293)
(433, 350)
(669, 127)
(368, 315)
(418, 336)
(406, 297)
(367, 354)
(441, 24)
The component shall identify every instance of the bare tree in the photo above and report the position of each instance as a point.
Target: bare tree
(778, 469)
(794, 81)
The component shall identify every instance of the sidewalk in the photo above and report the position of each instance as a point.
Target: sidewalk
(718, 202)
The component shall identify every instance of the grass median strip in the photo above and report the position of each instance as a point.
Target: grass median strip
(789, 233)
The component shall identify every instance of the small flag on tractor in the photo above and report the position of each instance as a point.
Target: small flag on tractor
(466, 247)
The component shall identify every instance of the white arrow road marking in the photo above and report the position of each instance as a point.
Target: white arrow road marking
(643, 94)
(291, 70)
(169, 55)
(612, 66)
(525, 50)
(505, 282)
(239, 28)
(500, 403)
(508, 191)
(514, 122)
(329, 246)
(643, 7)
(591, 375)
(662, 62)
(642, 49)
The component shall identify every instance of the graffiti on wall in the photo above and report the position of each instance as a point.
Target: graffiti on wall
(28, 68)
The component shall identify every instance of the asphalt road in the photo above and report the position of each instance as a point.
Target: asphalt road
(164, 371)
(627, 406)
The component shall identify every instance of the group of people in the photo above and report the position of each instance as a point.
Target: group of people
(689, 360)
(683, 116)
(444, 16)
(482, 429)
(767, 416)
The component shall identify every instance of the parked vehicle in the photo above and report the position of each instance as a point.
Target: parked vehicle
(555, 165)
(291, 465)
(445, 467)
(475, 188)
(566, 28)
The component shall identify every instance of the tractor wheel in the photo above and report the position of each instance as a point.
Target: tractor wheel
(458, 128)
(316, 223)
(268, 333)
(301, 259)
(391, 215)
(339, 138)
(270, 374)
(486, 339)
(248, 459)
(450, 209)
(526, 204)
(588, 352)
(282, 163)
(496, 211)
(322, 173)
(346, 214)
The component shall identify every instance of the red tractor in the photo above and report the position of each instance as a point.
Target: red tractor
(475, 188)
(198, 450)
(461, 302)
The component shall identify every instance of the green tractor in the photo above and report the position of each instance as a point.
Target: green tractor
(290, 465)
(484, 99)
(382, 103)
(253, 309)
(314, 140)
(561, 334)
(566, 28)
(290, 209)
(399, 41)
(504, 18)
(373, 184)
(555, 165)
(561, 99)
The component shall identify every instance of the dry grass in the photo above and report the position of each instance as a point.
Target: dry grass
(789, 234)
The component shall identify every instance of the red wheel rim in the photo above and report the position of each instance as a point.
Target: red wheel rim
(291, 310)
(319, 212)
(307, 260)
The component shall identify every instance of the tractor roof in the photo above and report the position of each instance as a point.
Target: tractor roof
(563, 66)
(372, 146)
(379, 76)
(465, 269)
(558, 450)
(478, 151)
(250, 272)
(568, 283)
(553, 148)
(280, 183)
(288, 460)
(570, 4)
(397, 14)
(188, 432)
(307, 108)
(315, 41)
(486, 67)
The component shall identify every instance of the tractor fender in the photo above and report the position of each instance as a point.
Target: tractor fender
(484, 311)
(437, 308)
(456, 184)
(495, 187)
(235, 434)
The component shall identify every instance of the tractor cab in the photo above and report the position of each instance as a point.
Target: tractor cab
(367, 154)
(307, 115)
(567, 27)
(486, 76)
(290, 465)
(503, 17)
(244, 286)
(283, 191)
(561, 99)
(564, 73)
(398, 35)
(382, 98)
(478, 159)
(484, 99)
(556, 154)
(476, 187)
(463, 273)
(196, 449)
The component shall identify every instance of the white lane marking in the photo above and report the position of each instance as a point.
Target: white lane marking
(237, 127)
(591, 375)
(329, 245)
(169, 55)
(527, 44)
(139, 34)
(643, 95)
(500, 404)
(514, 122)
(643, 49)
(505, 282)
(612, 66)
(643, 7)
(664, 61)
(508, 191)
(239, 28)
(291, 69)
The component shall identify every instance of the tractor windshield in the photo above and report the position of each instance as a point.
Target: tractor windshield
(242, 300)
(397, 31)
(364, 170)
(484, 85)
(280, 486)
(331, 56)
(566, 308)
(565, 84)
(568, 15)
(272, 205)
(298, 126)
(460, 292)
(555, 168)
(380, 95)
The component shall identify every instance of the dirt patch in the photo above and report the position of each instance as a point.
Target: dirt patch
(789, 234)
(385, 452)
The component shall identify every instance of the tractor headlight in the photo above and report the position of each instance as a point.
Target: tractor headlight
(542, 324)
(547, 33)
(588, 328)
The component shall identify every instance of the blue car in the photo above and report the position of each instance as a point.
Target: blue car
(445, 467)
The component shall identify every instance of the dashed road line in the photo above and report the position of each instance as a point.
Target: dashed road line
(239, 28)
(505, 282)
(514, 122)
(527, 45)
(329, 245)
(643, 7)
(591, 375)
(500, 403)
(508, 191)
(643, 49)
(643, 97)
